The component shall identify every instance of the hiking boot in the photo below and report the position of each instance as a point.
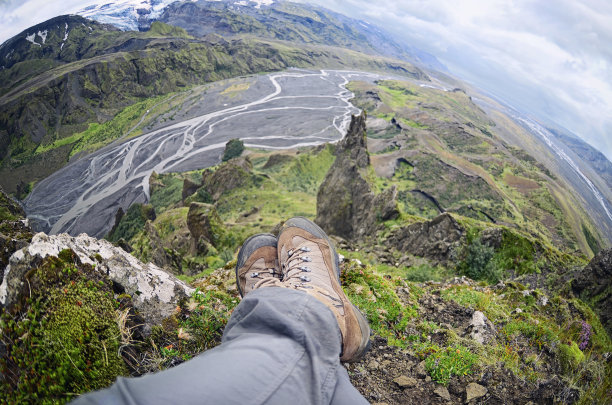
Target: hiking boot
(309, 263)
(257, 263)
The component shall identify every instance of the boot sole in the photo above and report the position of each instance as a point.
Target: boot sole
(248, 247)
(314, 229)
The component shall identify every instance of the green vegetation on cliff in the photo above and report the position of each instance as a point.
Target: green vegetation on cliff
(64, 338)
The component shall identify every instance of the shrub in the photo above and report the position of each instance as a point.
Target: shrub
(479, 263)
(233, 148)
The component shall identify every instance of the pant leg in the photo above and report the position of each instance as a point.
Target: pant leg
(280, 346)
(345, 393)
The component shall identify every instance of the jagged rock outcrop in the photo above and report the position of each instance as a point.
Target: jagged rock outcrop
(159, 255)
(230, 175)
(15, 232)
(437, 240)
(154, 292)
(346, 204)
(594, 285)
(277, 159)
(204, 225)
(189, 187)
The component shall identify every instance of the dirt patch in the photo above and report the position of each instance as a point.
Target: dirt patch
(391, 375)
(522, 184)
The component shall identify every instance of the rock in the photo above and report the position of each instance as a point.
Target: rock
(204, 223)
(473, 391)
(420, 370)
(189, 187)
(480, 328)
(15, 232)
(277, 159)
(346, 205)
(154, 292)
(159, 255)
(594, 284)
(230, 175)
(405, 381)
(492, 237)
(442, 392)
(436, 240)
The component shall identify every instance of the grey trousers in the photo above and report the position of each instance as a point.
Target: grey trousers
(280, 346)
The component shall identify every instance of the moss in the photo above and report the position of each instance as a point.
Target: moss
(376, 297)
(64, 339)
(570, 357)
(592, 241)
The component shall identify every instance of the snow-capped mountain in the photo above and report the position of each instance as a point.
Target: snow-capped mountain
(134, 15)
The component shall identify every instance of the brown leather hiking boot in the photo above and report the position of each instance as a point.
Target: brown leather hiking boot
(309, 263)
(257, 263)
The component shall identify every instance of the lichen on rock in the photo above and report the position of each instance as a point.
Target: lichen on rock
(154, 291)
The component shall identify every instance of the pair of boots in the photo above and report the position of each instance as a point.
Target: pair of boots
(303, 258)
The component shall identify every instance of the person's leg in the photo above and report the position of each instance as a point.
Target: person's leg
(345, 393)
(280, 346)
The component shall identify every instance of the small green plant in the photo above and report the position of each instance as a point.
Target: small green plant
(63, 340)
(450, 361)
(376, 297)
(208, 314)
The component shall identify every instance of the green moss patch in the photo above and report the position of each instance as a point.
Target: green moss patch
(63, 337)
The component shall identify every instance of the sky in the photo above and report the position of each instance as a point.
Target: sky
(550, 58)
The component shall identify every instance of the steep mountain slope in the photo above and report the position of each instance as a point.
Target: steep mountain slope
(444, 153)
(589, 154)
(289, 21)
(267, 19)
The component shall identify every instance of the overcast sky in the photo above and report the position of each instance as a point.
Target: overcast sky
(550, 57)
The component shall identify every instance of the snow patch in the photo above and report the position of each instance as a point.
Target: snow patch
(65, 37)
(31, 38)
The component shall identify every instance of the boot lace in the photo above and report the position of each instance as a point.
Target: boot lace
(296, 269)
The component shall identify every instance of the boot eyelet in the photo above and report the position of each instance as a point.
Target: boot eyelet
(306, 259)
(305, 278)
